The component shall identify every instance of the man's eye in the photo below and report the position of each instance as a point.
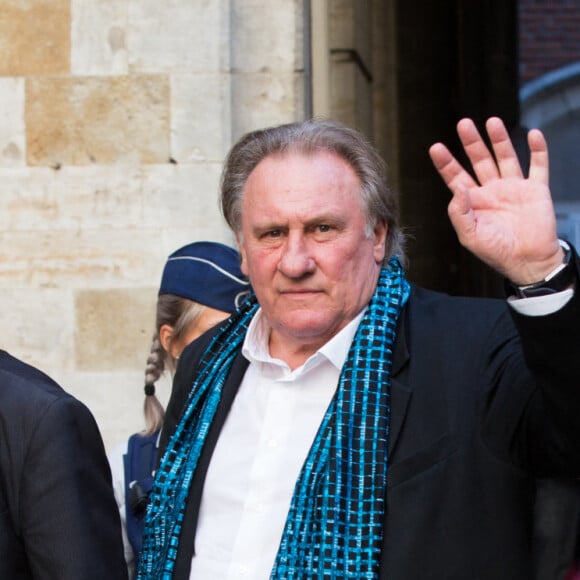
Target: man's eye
(324, 228)
(273, 234)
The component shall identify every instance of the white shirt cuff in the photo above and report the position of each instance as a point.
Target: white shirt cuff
(540, 305)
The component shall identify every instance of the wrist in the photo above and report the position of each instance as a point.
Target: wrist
(558, 280)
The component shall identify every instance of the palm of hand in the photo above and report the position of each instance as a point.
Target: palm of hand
(503, 218)
(507, 223)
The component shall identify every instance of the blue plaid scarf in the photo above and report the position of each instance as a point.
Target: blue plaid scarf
(334, 527)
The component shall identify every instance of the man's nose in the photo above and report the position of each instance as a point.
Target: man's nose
(296, 258)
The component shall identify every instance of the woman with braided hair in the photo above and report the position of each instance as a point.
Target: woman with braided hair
(200, 286)
(179, 321)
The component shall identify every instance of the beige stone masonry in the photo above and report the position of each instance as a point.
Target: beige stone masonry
(38, 327)
(262, 97)
(34, 37)
(115, 118)
(178, 35)
(182, 196)
(79, 121)
(200, 119)
(72, 198)
(269, 35)
(12, 143)
(80, 259)
(114, 328)
(267, 64)
(99, 30)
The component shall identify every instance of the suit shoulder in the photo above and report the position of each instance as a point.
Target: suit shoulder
(456, 310)
(26, 389)
(440, 299)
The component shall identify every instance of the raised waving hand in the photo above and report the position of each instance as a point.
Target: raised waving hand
(502, 216)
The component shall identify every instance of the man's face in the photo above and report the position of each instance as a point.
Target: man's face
(305, 247)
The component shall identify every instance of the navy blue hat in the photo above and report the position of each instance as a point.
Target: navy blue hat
(208, 273)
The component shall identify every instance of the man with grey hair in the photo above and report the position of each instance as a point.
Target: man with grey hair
(347, 424)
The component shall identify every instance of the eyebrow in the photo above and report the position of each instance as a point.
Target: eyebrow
(328, 218)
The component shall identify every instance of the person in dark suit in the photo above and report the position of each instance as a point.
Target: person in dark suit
(348, 424)
(58, 516)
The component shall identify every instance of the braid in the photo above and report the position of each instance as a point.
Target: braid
(152, 408)
(179, 313)
(155, 361)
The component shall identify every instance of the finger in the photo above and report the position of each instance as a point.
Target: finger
(461, 215)
(451, 171)
(505, 154)
(539, 160)
(482, 161)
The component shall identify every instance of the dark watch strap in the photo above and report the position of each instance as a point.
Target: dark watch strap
(557, 281)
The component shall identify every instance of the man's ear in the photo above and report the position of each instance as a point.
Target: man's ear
(243, 262)
(165, 335)
(380, 245)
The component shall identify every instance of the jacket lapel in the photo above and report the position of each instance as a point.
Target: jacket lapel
(400, 389)
(186, 549)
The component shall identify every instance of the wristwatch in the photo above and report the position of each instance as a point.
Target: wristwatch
(557, 280)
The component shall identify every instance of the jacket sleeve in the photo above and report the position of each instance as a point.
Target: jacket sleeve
(551, 348)
(68, 516)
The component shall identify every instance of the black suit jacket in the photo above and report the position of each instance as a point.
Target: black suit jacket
(483, 400)
(58, 516)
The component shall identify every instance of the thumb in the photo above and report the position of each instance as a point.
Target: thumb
(461, 213)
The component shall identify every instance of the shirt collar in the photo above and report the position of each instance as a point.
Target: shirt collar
(255, 347)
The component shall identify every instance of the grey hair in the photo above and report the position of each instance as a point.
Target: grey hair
(179, 313)
(379, 203)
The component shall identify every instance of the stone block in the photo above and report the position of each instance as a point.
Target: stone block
(84, 258)
(12, 142)
(100, 120)
(182, 196)
(114, 327)
(72, 198)
(177, 35)
(35, 37)
(264, 99)
(200, 117)
(258, 47)
(99, 37)
(37, 326)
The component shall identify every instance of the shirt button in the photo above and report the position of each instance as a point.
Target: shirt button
(257, 507)
(242, 570)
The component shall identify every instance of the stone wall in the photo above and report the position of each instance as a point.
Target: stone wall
(116, 116)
